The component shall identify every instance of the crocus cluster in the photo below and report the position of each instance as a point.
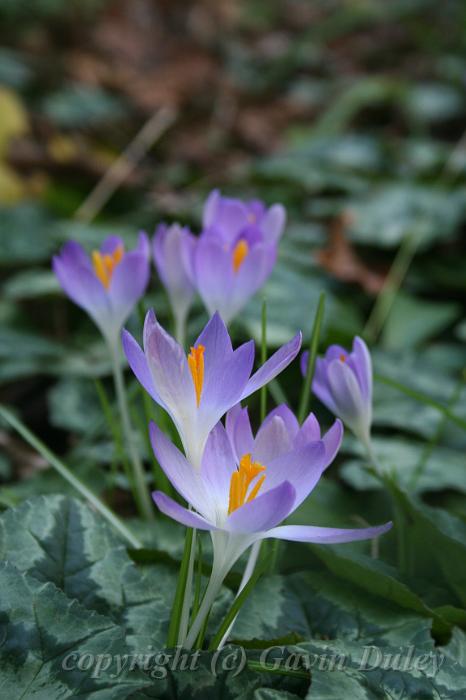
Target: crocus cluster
(237, 485)
(230, 260)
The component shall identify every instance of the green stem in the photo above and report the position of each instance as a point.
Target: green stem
(248, 572)
(391, 286)
(143, 498)
(311, 362)
(236, 607)
(175, 618)
(115, 431)
(73, 480)
(398, 512)
(213, 587)
(263, 391)
(180, 328)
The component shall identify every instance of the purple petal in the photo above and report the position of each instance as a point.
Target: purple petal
(143, 245)
(182, 515)
(332, 441)
(211, 208)
(83, 287)
(326, 535)
(128, 284)
(216, 340)
(288, 417)
(309, 431)
(239, 431)
(226, 215)
(178, 470)
(273, 222)
(138, 363)
(110, 244)
(251, 276)
(263, 512)
(170, 245)
(150, 326)
(218, 464)
(73, 252)
(170, 372)
(214, 275)
(346, 392)
(320, 385)
(302, 468)
(362, 365)
(272, 440)
(225, 381)
(274, 365)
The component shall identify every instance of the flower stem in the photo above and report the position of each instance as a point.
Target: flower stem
(248, 571)
(397, 508)
(213, 587)
(180, 327)
(73, 480)
(143, 500)
(235, 608)
(263, 391)
(311, 362)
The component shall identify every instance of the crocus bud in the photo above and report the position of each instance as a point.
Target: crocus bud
(173, 247)
(343, 382)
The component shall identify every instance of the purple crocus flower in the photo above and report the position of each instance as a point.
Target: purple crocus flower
(236, 251)
(279, 434)
(241, 501)
(343, 382)
(108, 284)
(199, 389)
(173, 248)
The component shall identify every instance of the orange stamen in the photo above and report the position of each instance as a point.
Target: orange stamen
(240, 251)
(105, 264)
(196, 366)
(241, 480)
(342, 358)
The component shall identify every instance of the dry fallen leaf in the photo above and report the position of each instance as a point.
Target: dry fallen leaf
(340, 259)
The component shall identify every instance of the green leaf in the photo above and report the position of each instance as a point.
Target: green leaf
(438, 549)
(60, 540)
(443, 467)
(394, 211)
(74, 405)
(412, 321)
(378, 579)
(284, 616)
(17, 244)
(39, 628)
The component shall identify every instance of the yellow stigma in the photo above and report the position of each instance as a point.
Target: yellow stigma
(241, 480)
(342, 358)
(196, 365)
(240, 251)
(105, 263)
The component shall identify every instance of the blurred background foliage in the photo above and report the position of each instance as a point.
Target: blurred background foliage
(351, 113)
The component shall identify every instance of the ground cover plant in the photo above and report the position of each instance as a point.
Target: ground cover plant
(232, 350)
